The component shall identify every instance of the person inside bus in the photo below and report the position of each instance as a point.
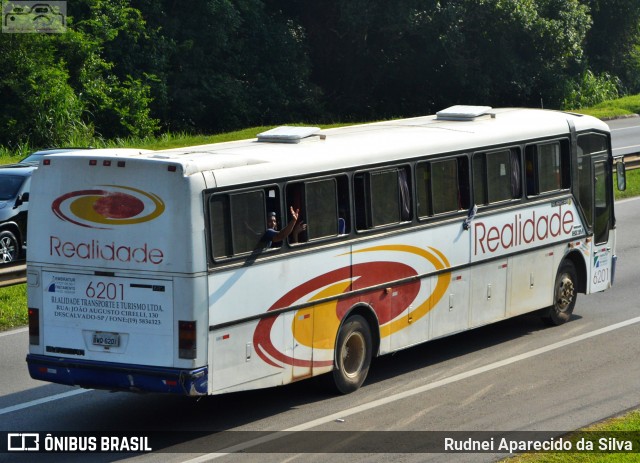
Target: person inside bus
(292, 230)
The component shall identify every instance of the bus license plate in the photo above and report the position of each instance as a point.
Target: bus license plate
(106, 339)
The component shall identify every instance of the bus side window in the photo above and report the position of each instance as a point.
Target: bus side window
(295, 197)
(496, 176)
(499, 176)
(530, 170)
(361, 201)
(549, 178)
(442, 186)
(239, 221)
(323, 205)
(344, 206)
(479, 179)
(588, 144)
(547, 167)
(445, 186)
(382, 197)
(221, 241)
(423, 188)
(464, 182)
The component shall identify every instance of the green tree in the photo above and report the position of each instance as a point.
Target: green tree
(225, 64)
(613, 43)
(39, 106)
(590, 90)
(371, 58)
(514, 52)
(59, 89)
(101, 47)
(375, 58)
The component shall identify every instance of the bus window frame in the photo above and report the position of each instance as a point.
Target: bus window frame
(464, 188)
(208, 197)
(482, 153)
(409, 169)
(303, 182)
(589, 218)
(566, 168)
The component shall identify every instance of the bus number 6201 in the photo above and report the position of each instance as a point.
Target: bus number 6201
(600, 276)
(108, 291)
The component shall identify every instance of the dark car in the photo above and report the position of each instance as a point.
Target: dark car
(36, 157)
(14, 196)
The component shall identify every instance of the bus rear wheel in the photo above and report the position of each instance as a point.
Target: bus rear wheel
(353, 355)
(565, 294)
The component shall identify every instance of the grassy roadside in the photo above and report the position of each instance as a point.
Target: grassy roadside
(161, 142)
(13, 306)
(626, 106)
(633, 185)
(627, 423)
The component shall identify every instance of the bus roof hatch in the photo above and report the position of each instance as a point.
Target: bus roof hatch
(462, 113)
(287, 134)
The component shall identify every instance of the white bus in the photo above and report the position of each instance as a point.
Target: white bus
(158, 272)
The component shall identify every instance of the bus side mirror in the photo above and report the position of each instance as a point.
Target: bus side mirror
(621, 174)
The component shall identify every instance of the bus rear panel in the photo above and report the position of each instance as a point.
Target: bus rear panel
(109, 288)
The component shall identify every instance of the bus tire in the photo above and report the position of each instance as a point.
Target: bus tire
(9, 247)
(565, 293)
(353, 355)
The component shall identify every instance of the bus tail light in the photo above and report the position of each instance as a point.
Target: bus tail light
(34, 326)
(186, 339)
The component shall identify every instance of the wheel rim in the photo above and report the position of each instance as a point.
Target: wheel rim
(7, 250)
(353, 354)
(565, 293)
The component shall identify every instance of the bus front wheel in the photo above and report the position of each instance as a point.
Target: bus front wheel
(564, 295)
(353, 354)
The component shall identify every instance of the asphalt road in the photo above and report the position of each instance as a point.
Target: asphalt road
(625, 135)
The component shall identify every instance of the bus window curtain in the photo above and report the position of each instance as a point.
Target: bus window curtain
(515, 174)
(405, 196)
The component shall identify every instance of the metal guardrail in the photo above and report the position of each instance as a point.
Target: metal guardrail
(13, 274)
(632, 161)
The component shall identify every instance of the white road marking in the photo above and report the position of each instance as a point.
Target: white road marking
(44, 400)
(625, 147)
(10, 332)
(624, 128)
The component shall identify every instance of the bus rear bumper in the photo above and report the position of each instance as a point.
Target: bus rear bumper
(118, 377)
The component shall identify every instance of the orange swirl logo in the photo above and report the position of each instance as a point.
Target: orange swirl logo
(104, 208)
(324, 318)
